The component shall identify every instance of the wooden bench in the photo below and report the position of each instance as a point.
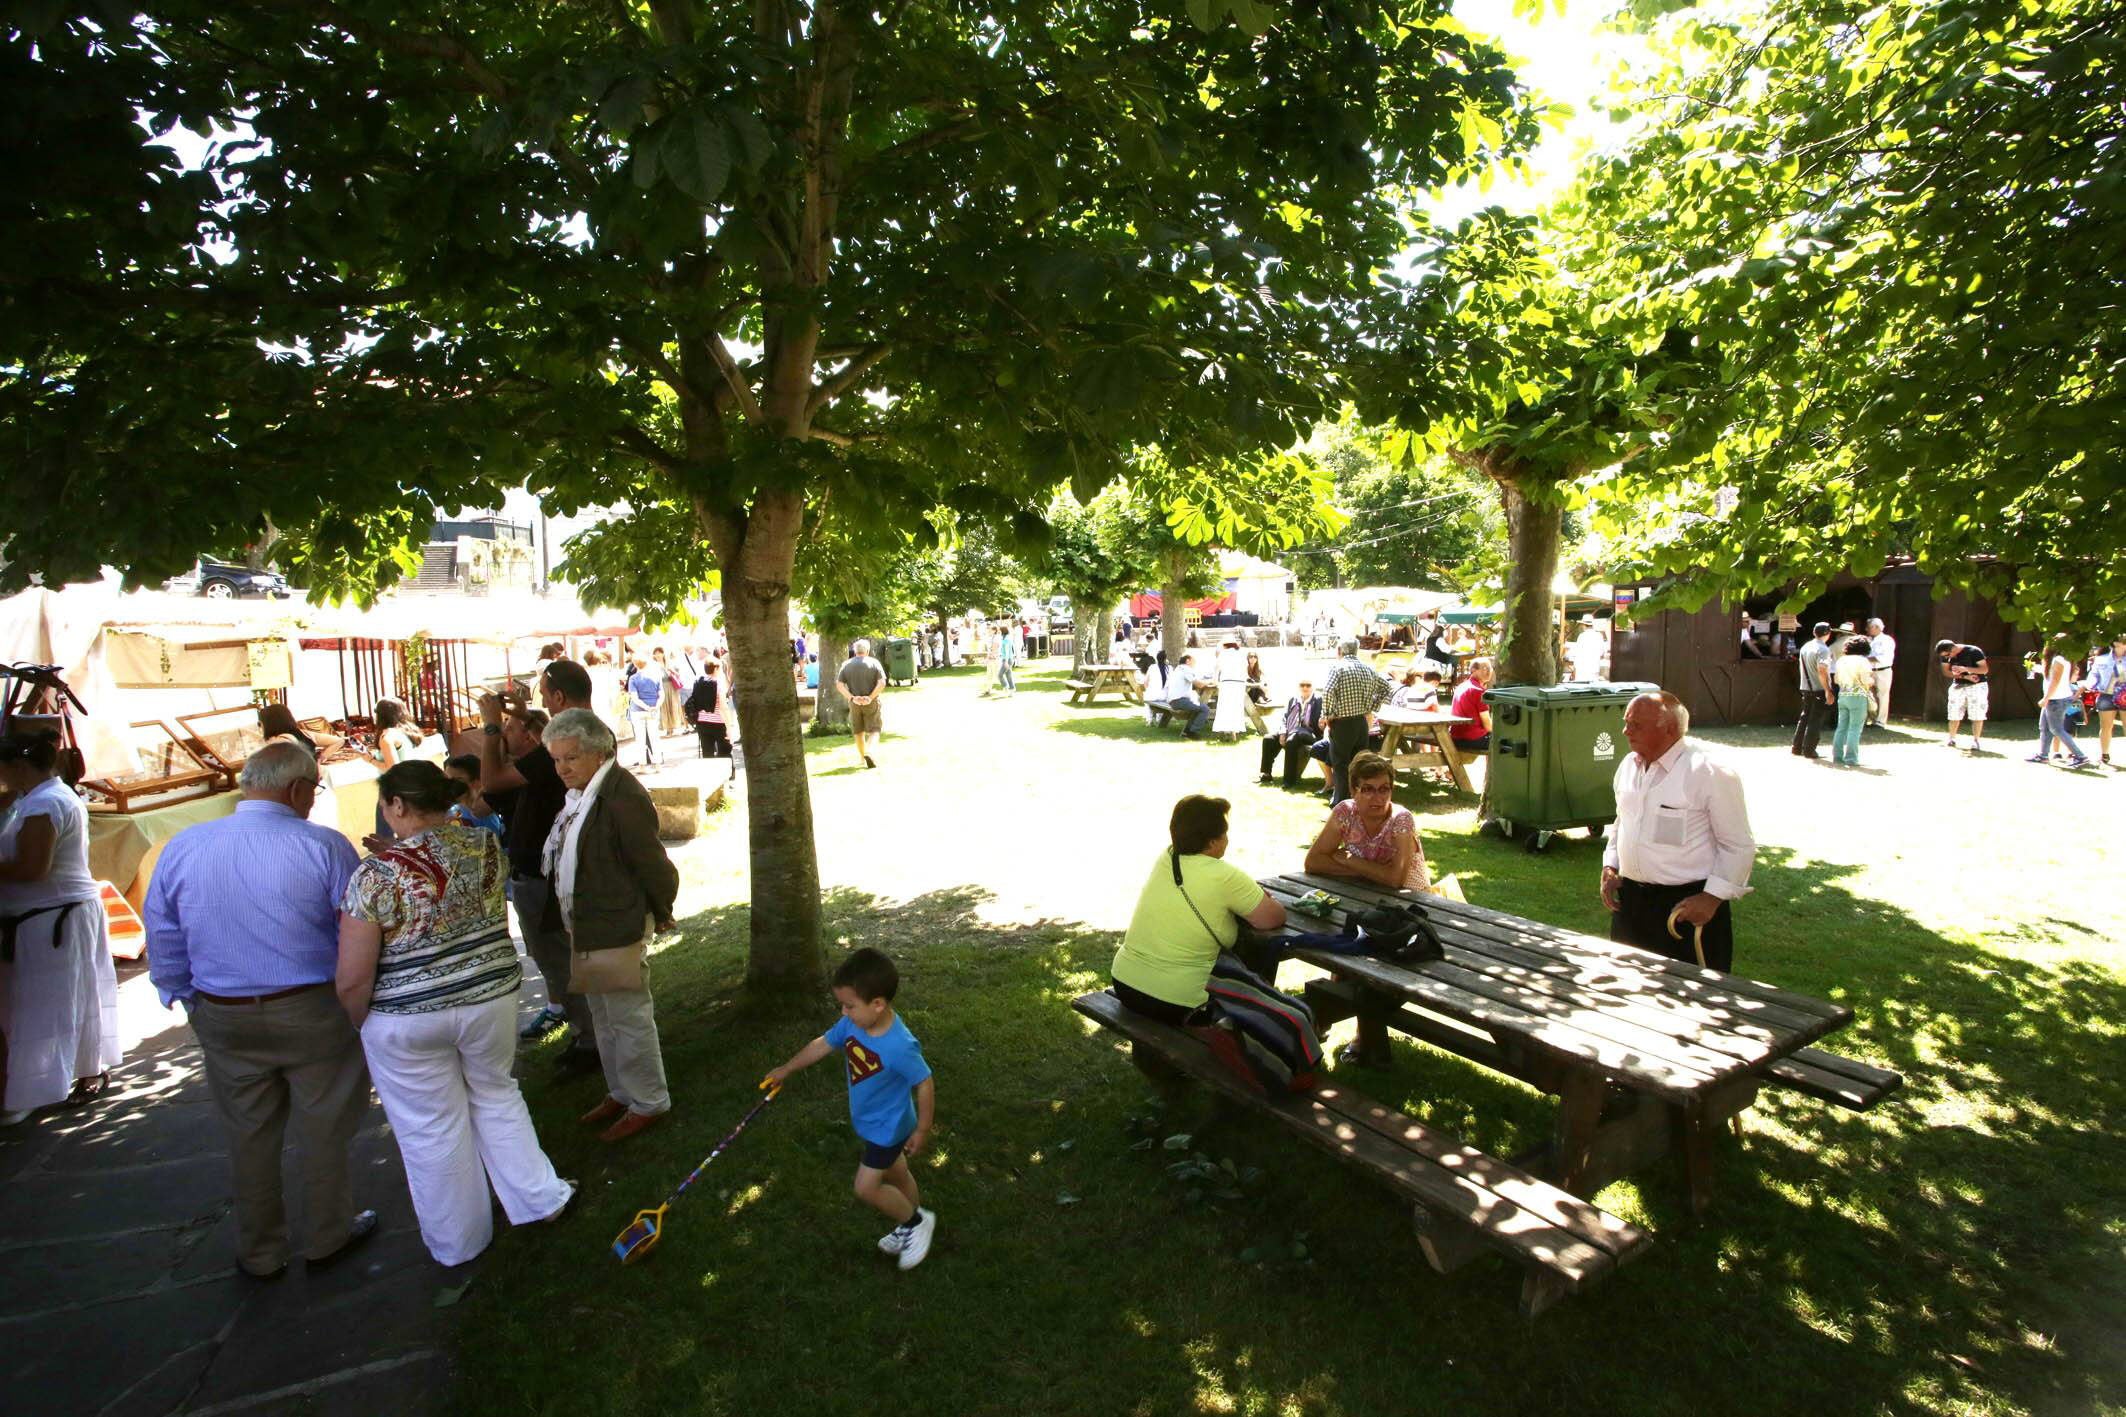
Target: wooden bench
(1832, 1078)
(1081, 690)
(1466, 1201)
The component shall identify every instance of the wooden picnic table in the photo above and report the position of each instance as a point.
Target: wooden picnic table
(1099, 679)
(1423, 738)
(1646, 1054)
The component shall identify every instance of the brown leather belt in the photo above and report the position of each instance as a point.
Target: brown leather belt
(256, 998)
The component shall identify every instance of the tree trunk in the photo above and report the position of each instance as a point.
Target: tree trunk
(757, 556)
(1098, 638)
(1528, 648)
(945, 639)
(830, 711)
(259, 552)
(1082, 630)
(1173, 620)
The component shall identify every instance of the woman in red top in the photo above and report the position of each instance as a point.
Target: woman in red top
(1473, 737)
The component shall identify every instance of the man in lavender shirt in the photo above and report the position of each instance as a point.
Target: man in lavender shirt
(243, 926)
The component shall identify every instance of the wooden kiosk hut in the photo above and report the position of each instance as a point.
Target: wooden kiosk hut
(1699, 656)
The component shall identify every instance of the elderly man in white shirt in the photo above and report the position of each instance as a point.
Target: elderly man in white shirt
(1681, 850)
(1882, 653)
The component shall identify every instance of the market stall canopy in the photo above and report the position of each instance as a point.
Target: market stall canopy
(65, 629)
(500, 621)
(1355, 605)
(196, 657)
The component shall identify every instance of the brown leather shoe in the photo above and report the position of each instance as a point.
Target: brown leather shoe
(632, 1123)
(607, 1109)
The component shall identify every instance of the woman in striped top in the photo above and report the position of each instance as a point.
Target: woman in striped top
(428, 975)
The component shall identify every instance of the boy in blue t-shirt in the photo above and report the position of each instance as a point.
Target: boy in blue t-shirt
(891, 1098)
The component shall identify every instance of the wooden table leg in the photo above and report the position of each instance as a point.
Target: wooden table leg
(1579, 1116)
(1694, 1153)
(1374, 1011)
(1443, 739)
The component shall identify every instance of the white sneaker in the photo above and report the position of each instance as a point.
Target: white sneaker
(917, 1245)
(895, 1240)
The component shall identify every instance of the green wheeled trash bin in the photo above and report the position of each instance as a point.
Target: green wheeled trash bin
(1554, 756)
(900, 660)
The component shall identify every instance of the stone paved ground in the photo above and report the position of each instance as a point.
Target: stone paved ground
(118, 1290)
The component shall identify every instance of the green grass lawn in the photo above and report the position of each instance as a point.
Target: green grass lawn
(1958, 1249)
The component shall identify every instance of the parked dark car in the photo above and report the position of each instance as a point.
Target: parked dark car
(224, 580)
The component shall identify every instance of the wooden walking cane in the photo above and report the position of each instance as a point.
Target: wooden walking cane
(1697, 948)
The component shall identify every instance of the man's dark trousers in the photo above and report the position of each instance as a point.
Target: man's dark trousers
(1295, 749)
(1347, 739)
(549, 949)
(1814, 709)
(1641, 918)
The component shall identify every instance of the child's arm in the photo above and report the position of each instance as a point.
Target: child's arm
(926, 1098)
(803, 1058)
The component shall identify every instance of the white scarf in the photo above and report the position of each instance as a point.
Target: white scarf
(560, 852)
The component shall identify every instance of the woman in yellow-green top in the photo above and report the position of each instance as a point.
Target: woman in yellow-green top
(1191, 908)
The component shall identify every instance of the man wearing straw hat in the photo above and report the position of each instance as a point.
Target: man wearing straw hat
(1680, 853)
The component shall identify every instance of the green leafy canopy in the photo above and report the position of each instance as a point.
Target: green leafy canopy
(1904, 226)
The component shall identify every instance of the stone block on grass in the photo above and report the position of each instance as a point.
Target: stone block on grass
(680, 809)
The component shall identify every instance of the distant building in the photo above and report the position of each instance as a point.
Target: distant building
(477, 556)
(1698, 655)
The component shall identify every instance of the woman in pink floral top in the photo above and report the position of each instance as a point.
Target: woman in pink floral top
(1368, 837)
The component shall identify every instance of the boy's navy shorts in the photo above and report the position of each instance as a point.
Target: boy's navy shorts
(881, 1158)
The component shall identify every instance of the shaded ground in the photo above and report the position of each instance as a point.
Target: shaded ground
(1957, 1249)
(118, 1291)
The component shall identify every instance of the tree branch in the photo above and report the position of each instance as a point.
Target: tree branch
(642, 445)
(421, 44)
(846, 379)
(841, 440)
(655, 357)
(740, 390)
(674, 24)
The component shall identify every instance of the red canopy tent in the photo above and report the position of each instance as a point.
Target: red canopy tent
(1148, 603)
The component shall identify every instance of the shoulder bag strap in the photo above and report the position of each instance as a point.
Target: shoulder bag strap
(1174, 855)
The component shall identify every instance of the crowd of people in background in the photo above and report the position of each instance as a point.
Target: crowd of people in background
(311, 976)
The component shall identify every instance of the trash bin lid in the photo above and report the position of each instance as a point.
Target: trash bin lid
(1567, 693)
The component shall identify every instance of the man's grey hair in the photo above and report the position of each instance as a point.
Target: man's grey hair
(583, 728)
(859, 648)
(276, 767)
(1347, 648)
(1875, 627)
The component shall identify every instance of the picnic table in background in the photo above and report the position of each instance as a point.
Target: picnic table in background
(1098, 679)
(1423, 738)
(1646, 1054)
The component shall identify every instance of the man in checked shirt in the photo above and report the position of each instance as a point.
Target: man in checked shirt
(1348, 698)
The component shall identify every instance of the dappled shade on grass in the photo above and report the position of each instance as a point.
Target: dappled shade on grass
(1914, 1257)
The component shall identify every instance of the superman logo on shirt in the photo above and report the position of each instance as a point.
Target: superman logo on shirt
(863, 1063)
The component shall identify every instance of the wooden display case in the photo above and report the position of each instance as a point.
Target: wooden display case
(224, 738)
(170, 772)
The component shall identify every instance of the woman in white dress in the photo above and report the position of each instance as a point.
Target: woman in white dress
(1155, 686)
(1232, 713)
(58, 992)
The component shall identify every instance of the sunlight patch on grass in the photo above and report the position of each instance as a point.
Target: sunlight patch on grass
(750, 1195)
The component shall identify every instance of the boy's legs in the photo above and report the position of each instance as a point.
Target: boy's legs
(892, 1192)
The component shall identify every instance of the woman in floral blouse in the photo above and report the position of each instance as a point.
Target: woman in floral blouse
(1368, 837)
(428, 975)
